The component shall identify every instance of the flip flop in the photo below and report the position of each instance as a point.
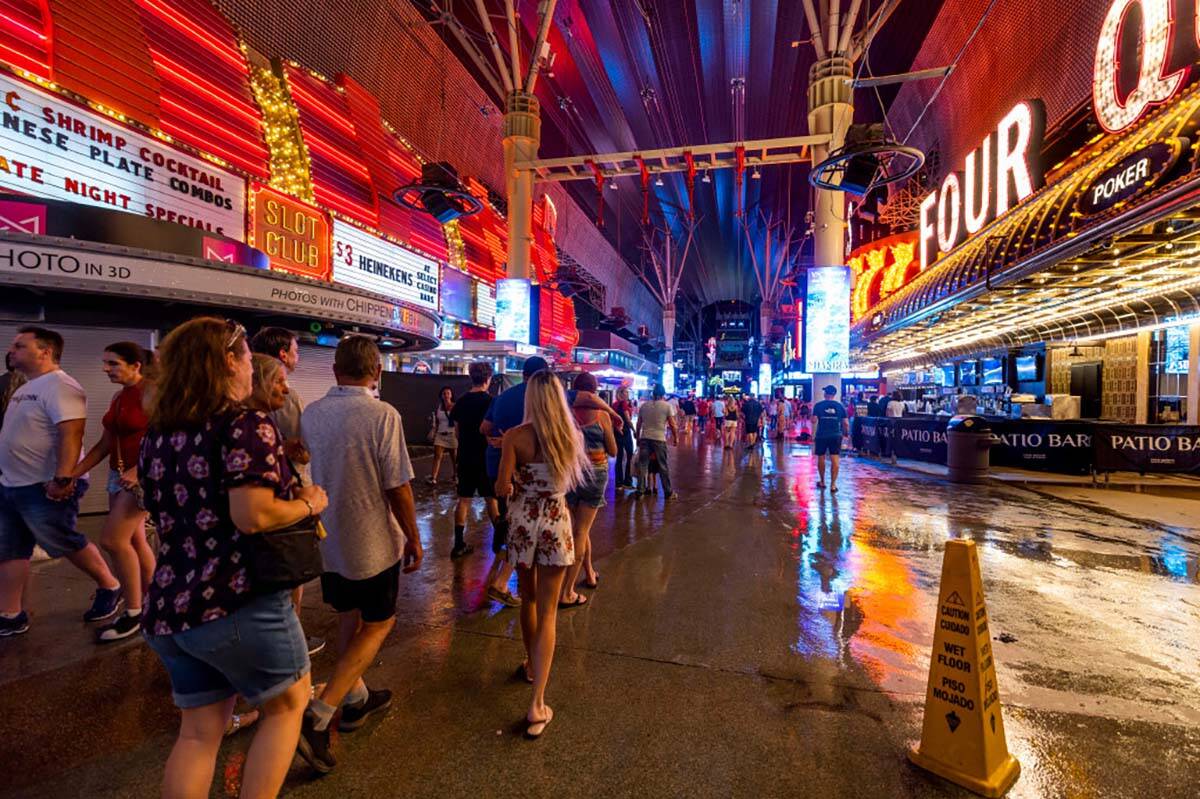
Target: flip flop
(522, 673)
(536, 728)
(580, 600)
(592, 585)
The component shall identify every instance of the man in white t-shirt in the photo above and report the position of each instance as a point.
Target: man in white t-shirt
(655, 419)
(40, 443)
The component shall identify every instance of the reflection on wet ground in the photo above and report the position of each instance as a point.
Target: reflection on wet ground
(756, 637)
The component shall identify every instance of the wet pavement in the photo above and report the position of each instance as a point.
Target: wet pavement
(756, 637)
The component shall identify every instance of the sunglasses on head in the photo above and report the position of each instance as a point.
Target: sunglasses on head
(236, 331)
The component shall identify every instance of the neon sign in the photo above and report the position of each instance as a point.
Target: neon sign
(1155, 85)
(999, 174)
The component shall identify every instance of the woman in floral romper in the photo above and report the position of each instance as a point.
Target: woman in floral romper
(540, 461)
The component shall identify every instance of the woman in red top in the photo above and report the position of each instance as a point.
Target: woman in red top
(124, 535)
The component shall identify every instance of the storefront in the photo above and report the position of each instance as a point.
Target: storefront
(1054, 286)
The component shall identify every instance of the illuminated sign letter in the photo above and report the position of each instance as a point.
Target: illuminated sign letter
(977, 187)
(1015, 168)
(1153, 86)
(928, 229)
(949, 228)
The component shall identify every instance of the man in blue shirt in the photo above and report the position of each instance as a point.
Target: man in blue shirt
(832, 425)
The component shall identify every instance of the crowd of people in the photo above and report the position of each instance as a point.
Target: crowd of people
(249, 494)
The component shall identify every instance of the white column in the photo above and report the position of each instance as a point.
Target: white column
(522, 135)
(830, 111)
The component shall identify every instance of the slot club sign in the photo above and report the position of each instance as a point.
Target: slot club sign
(374, 264)
(293, 234)
(52, 148)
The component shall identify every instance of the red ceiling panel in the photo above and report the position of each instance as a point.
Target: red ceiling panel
(341, 179)
(25, 35)
(206, 99)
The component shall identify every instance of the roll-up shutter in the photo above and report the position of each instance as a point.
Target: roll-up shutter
(81, 360)
(314, 375)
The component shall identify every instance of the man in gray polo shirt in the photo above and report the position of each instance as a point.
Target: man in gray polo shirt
(654, 419)
(360, 459)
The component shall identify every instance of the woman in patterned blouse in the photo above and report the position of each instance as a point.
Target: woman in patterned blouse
(214, 472)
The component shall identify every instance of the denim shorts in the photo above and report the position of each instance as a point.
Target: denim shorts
(28, 517)
(591, 493)
(258, 651)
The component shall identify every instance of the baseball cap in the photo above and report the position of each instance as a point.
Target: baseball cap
(534, 365)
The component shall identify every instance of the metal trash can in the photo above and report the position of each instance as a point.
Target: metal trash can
(968, 449)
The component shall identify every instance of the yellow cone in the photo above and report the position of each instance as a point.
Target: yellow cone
(962, 738)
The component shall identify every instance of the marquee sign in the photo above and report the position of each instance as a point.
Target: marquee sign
(1154, 45)
(52, 148)
(77, 269)
(1001, 173)
(293, 234)
(379, 265)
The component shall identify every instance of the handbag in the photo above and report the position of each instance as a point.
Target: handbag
(280, 560)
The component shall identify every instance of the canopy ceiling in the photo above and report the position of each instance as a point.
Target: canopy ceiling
(645, 74)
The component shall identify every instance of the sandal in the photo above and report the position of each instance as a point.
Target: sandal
(536, 728)
(580, 600)
(523, 673)
(592, 584)
(240, 721)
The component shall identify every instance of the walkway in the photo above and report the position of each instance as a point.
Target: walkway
(754, 638)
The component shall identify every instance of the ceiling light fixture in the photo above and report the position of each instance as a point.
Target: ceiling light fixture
(658, 181)
(756, 175)
(707, 177)
(612, 184)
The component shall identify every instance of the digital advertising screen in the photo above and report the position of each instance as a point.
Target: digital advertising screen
(993, 372)
(1176, 360)
(947, 374)
(513, 310)
(827, 320)
(1027, 370)
(458, 295)
(968, 372)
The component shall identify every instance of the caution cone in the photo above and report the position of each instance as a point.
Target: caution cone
(962, 738)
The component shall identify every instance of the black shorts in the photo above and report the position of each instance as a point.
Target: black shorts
(473, 480)
(827, 445)
(374, 597)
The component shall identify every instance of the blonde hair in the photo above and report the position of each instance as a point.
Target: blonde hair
(266, 369)
(559, 438)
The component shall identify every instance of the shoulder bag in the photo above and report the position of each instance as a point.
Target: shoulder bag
(280, 560)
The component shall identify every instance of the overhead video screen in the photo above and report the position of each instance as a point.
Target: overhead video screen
(827, 320)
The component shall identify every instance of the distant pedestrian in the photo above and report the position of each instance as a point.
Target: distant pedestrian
(895, 407)
(655, 422)
(831, 428)
(10, 381)
(124, 533)
(468, 414)
(543, 459)
(587, 499)
(359, 456)
(216, 476)
(730, 427)
(752, 414)
(626, 409)
(39, 489)
(445, 435)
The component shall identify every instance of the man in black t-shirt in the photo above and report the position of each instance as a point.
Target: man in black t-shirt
(752, 412)
(467, 414)
(832, 425)
(688, 406)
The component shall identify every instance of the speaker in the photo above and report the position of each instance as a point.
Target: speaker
(860, 171)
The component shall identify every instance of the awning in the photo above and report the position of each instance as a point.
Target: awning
(52, 263)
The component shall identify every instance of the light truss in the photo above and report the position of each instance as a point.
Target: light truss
(757, 153)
